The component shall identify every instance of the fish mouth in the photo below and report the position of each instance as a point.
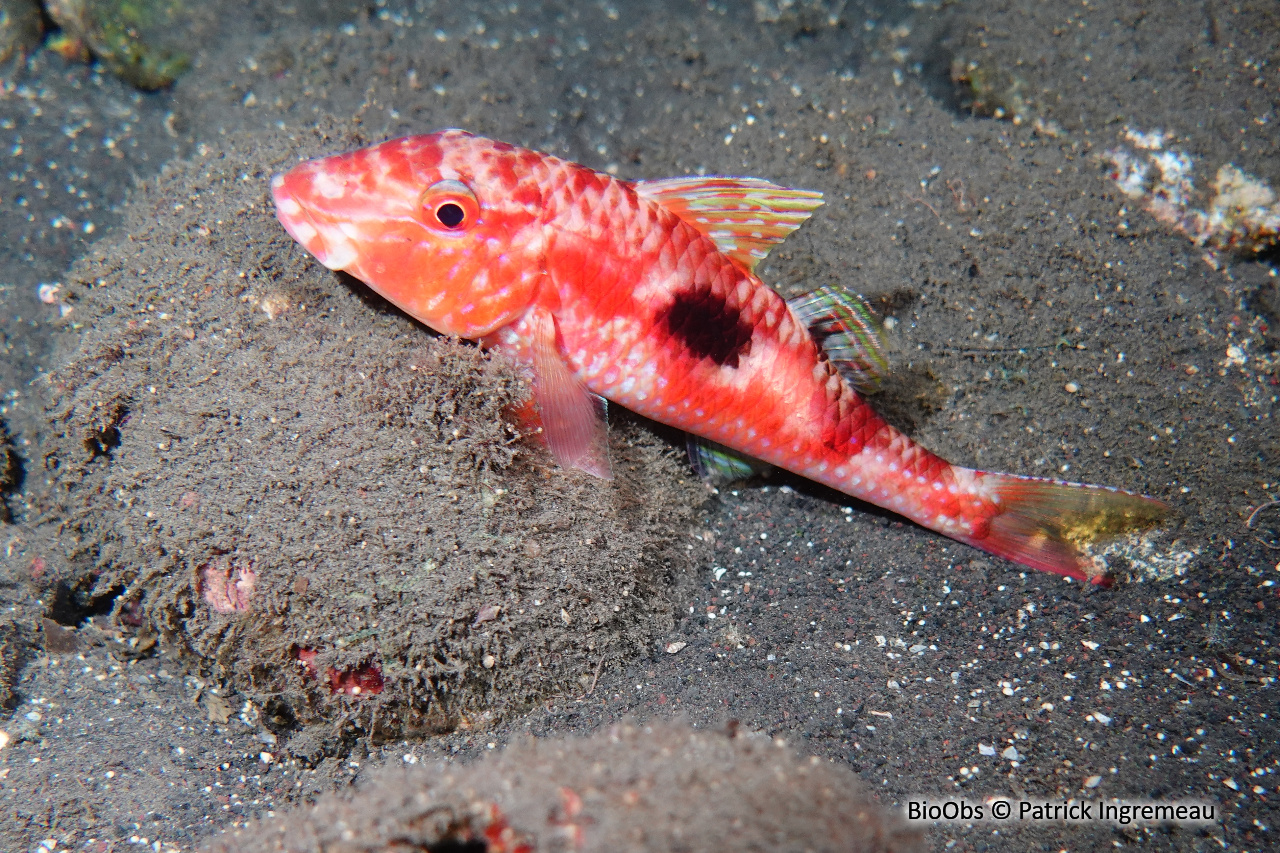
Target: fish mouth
(325, 241)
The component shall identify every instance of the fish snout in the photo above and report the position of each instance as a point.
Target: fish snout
(326, 241)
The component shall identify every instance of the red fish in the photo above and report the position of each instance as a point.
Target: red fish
(644, 294)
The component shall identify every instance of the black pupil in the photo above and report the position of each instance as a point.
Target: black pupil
(450, 215)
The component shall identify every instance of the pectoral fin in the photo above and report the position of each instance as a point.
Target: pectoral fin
(573, 419)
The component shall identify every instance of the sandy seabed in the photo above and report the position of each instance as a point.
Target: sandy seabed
(1044, 322)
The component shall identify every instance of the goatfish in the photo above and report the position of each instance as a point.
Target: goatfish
(644, 294)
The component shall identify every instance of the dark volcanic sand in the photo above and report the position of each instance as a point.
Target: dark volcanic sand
(1015, 271)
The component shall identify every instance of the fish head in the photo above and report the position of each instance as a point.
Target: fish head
(445, 226)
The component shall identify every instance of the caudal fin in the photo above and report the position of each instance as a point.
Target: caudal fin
(1046, 523)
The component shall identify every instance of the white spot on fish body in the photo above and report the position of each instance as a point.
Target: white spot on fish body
(339, 255)
(350, 230)
(434, 302)
(597, 364)
(288, 206)
(277, 182)
(328, 186)
(304, 232)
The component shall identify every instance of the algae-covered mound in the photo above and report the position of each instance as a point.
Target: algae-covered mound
(323, 503)
(658, 788)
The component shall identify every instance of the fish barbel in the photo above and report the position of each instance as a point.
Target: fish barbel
(644, 294)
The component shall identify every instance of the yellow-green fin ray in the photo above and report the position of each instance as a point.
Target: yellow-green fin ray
(746, 217)
(849, 331)
(718, 465)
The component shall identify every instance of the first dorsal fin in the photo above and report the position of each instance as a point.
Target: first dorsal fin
(746, 217)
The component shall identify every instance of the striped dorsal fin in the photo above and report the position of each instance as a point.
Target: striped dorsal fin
(849, 332)
(746, 217)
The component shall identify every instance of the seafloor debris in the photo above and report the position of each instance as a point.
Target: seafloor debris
(659, 787)
(987, 89)
(10, 471)
(1265, 524)
(1241, 215)
(806, 14)
(227, 586)
(20, 27)
(13, 647)
(132, 38)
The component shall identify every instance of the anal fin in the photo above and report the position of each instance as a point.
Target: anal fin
(718, 465)
(574, 420)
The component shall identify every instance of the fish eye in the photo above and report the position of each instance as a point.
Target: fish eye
(450, 215)
(450, 206)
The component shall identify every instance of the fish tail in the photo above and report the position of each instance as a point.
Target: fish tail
(1047, 524)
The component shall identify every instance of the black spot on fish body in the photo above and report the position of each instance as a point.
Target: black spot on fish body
(708, 325)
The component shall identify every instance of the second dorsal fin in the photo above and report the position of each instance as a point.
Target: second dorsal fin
(850, 333)
(746, 217)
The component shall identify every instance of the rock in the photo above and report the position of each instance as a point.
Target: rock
(659, 787)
